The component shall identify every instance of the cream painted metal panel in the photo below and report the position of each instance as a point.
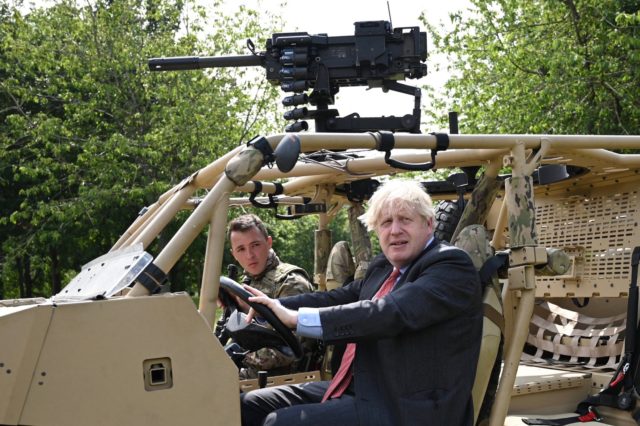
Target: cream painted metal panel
(22, 331)
(93, 359)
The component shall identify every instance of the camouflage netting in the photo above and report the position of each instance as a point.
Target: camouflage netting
(561, 336)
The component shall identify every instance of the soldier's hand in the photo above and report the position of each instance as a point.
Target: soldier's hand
(232, 299)
(242, 305)
(287, 316)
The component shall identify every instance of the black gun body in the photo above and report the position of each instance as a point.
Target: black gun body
(373, 53)
(375, 56)
(351, 60)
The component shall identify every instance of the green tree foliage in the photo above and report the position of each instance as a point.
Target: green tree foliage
(569, 66)
(88, 135)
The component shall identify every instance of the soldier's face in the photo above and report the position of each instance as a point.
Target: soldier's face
(403, 235)
(251, 249)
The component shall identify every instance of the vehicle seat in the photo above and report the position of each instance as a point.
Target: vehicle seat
(474, 240)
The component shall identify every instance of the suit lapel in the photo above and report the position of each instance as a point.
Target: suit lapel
(404, 276)
(376, 279)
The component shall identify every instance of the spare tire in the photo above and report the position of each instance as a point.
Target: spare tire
(448, 214)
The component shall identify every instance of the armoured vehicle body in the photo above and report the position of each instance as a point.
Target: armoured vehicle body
(114, 348)
(92, 356)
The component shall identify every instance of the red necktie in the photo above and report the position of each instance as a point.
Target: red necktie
(341, 380)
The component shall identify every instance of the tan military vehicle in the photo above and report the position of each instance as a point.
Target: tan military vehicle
(556, 241)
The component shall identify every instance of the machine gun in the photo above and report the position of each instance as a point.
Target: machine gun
(376, 56)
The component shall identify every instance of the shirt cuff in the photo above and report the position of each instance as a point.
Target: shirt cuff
(309, 323)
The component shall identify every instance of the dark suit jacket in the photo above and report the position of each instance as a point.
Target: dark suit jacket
(417, 347)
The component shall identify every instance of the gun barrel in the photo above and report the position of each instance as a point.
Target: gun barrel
(179, 63)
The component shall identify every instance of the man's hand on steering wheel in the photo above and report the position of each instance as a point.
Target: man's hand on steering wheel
(282, 329)
(287, 316)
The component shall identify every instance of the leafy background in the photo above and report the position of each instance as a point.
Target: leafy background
(88, 135)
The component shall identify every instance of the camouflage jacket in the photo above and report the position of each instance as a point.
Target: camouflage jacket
(278, 280)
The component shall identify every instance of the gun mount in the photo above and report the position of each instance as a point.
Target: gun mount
(376, 56)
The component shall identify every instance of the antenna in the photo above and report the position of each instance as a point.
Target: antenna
(389, 9)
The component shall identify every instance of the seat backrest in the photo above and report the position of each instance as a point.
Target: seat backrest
(474, 240)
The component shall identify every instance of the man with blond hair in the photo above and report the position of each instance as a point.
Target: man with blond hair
(413, 327)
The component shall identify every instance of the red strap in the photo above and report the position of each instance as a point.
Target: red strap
(589, 417)
(617, 380)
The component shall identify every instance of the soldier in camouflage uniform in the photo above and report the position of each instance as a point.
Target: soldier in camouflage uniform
(340, 266)
(251, 247)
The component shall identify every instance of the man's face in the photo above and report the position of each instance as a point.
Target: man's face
(403, 235)
(251, 249)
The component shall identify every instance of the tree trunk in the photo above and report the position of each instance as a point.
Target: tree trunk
(56, 279)
(28, 281)
(20, 277)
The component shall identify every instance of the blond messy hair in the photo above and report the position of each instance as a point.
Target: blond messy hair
(398, 195)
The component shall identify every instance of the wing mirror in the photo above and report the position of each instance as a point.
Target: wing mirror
(287, 152)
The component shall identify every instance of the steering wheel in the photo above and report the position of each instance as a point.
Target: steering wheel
(283, 331)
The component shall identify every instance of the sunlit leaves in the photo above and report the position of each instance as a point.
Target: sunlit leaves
(544, 67)
(88, 135)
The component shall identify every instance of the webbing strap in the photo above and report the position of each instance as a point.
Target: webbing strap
(385, 142)
(494, 316)
(576, 351)
(152, 278)
(575, 316)
(591, 415)
(258, 189)
(568, 333)
(570, 328)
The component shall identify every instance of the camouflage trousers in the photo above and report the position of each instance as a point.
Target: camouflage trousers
(265, 359)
